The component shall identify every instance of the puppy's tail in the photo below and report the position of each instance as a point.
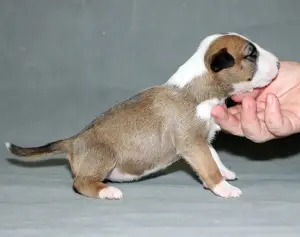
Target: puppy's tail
(52, 148)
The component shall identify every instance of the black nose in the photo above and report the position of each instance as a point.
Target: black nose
(278, 64)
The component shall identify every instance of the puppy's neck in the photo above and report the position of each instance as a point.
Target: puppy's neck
(193, 78)
(206, 87)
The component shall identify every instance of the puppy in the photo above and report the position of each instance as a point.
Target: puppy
(159, 125)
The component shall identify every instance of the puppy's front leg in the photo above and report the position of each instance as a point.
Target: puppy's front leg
(199, 157)
(226, 173)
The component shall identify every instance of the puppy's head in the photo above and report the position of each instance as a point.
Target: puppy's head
(229, 59)
(240, 62)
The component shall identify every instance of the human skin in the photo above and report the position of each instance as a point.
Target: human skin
(268, 113)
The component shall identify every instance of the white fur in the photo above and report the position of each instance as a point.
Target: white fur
(118, 176)
(110, 193)
(226, 190)
(203, 111)
(266, 71)
(226, 173)
(8, 145)
(266, 67)
(194, 66)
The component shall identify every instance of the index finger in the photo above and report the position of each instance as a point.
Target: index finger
(254, 94)
(227, 121)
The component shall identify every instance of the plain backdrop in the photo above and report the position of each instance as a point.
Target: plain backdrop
(64, 62)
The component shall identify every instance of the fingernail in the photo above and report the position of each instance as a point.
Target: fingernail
(216, 116)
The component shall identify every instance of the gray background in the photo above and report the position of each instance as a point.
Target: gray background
(63, 62)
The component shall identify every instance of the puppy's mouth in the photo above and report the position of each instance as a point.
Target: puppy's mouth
(265, 86)
(270, 80)
(273, 79)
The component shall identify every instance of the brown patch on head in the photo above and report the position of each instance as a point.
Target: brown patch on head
(231, 58)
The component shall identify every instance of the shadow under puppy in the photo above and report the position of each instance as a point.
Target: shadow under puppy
(164, 123)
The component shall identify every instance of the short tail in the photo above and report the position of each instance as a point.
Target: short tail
(57, 147)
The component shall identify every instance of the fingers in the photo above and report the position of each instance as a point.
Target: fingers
(250, 123)
(258, 121)
(227, 121)
(235, 109)
(254, 94)
(275, 122)
(273, 116)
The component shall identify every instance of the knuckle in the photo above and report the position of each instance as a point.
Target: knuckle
(273, 123)
(257, 138)
(274, 127)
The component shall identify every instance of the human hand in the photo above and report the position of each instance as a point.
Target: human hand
(266, 113)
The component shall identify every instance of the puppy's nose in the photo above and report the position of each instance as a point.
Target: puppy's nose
(278, 64)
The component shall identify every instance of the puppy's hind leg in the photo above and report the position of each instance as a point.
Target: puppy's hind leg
(91, 187)
(91, 170)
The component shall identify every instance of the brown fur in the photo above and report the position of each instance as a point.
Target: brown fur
(153, 129)
(242, 69)
(219, 85)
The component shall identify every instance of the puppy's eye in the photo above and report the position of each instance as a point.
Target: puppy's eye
(253, 54)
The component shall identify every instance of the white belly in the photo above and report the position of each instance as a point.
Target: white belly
(117, 176)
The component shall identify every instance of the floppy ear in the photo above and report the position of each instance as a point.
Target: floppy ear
(221, 60)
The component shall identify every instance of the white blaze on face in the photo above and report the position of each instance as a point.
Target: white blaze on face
(266, 70)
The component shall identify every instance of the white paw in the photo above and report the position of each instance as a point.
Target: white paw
(226, 190)
(110, 193)
(228, 175)
(204, 185)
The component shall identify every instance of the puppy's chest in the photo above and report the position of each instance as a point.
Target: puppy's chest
(203, 113)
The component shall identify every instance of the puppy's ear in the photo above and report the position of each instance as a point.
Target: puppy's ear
(221, 60)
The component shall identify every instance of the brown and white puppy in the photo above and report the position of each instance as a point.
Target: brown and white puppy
(162, 124)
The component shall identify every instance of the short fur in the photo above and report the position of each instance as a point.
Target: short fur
(162, 124)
